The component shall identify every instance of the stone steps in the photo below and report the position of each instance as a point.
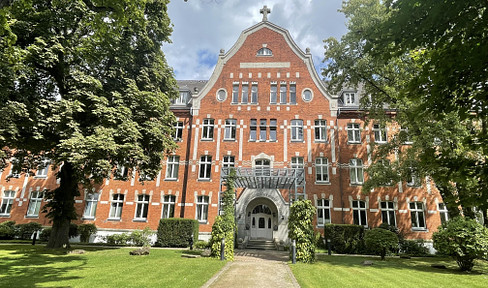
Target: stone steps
(261, 245)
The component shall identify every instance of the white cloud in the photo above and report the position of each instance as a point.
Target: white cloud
(203, 27)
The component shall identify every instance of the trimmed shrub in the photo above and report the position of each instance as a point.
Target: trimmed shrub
(117, 239)
(463, 239)
(25, 231)
(176, 232)
(45, 234)
(300, 228)
(380, 241)
(7, 230)
(345, 238)
(200, 244)
(414, 248)
(86, 230)
(141, 237)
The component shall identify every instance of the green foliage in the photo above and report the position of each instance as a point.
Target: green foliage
(224, 226)
(45, 234)
(118, 239)
(86, 230)
(73, 230)
(345, 238)
(25, 231)
(300, 228)
(200, 244)
(463, 239)
(141, 237)
(176, 232)
(7, 230)
(380, 241)
(414, 248)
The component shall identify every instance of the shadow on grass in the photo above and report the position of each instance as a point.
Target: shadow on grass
(422, 264)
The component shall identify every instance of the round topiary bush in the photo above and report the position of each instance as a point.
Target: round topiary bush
(86, 230)
(380, 241)
(463, 239)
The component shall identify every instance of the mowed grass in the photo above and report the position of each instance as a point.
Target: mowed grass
(35, 266)
(347, 271)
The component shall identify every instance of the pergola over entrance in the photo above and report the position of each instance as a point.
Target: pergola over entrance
(292, 179)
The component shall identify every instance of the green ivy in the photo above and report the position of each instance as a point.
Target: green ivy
(300, 228)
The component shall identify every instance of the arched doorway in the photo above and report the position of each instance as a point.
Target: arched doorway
(261, 222)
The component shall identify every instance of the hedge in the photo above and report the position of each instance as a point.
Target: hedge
(345, 238)
(175, 232)
(7, 230)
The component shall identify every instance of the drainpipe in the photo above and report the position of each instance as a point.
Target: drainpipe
(339, 164)
(187, 167)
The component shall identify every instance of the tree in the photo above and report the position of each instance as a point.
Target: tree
(380, 241)
(300, 228)
(85, 84)
(424, 60)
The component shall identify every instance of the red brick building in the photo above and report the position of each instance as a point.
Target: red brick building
(266, 112)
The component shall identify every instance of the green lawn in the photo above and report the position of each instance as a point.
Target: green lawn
(34, 266)
(347, 271)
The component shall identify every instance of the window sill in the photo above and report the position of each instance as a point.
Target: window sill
(4, 215)
(139, 220)
(354, 143)
(204, 180)
(31, 217)
(321, 141)
(356, 184)
(203, 222)
(297, 141)
(207, 140)
(40, 177)
(420, 230)
(87, 218)
(229, 140)
(322, 183)
(171, 180)
(114, 219)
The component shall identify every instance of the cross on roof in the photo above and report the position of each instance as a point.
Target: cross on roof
(265, 12)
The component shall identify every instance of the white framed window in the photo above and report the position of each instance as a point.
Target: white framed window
(7, 202)
(183, 99)
(323, 212)
(35, 203)
(230, 129)
(178, 136)
(349, 98)
(273, 94)
(379, 134)
(322, 169)
(356, 171)
(235, 93)
(359, 212)
(253, 130)
(172, 167)
(43, 169)
(262, 167)
(142, 206)
(205, 167)
(91, 201)
(264, 52)
(121, 172)
(297, 162)
(272, 130)
(353, 133)
(388, 212)
(245, 94)
(320, 130)
(202, 208)
(307, 95)
(116, 206)
(417, 215)
(443, 213)
(296, 130)
(229, 161)
(293, 94)
(207, 129)
(168, 206)
(263, 130)
(254, 94)
(221, 95)
(283, 94)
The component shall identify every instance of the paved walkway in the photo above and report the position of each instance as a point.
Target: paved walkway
(255, 268)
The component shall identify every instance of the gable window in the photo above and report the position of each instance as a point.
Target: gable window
(272, 130)
(443, 213)
(34, 203)
(353, 133)
(379, 134)
(168, 206)
(172, 166)
(229, 161)
(116, 206)
(254, 94)
(320, 130)
(293, 94)
(178, 136)
(349, 99)
(359, 212)
(230, 129)
(296, 130)
(208, 129)
(262, 130)
(356, 171)
(323, 212)
(283, 94)
(322, 169)
(205, 167)
(273, 94)
(142, 206)
(43, 169)
(7, 201)
(264, 52)
(235, 93)
(183, 99)
(253, 130)
(297, 162)
(388, 213)
(202, 208)
(245, 93)
(91, 201)
(417, 215)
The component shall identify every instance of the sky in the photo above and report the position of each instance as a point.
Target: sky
(203, 27)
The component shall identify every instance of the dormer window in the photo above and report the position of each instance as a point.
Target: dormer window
(264, 52)
(349, 98)
(183, 99)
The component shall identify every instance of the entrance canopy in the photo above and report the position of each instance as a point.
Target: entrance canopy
(267, 178)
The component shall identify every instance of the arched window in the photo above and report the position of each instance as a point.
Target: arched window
(261, 209)
(265, 52)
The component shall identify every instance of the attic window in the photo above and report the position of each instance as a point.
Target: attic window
(349, 98)
(264, 52)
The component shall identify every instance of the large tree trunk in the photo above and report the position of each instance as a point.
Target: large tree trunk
(62, 209)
